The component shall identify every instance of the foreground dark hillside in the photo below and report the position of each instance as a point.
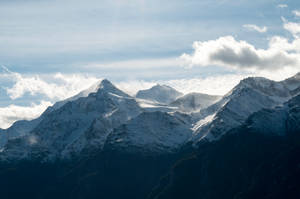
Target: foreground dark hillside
(242, 165)
(107, 174)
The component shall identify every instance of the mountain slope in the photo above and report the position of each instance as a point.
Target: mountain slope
(249, 96)
(18, 129)
(151, 132)
(282, 120)
(23, 127)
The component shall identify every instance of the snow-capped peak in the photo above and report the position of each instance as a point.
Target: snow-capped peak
(159, 93)
(60, 130)
(106, 86)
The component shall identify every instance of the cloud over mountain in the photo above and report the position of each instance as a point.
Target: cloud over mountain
(229, 52)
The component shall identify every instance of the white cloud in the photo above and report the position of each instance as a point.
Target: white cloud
(256, 28)
(215, 85)
(12, 113)
(292, 27)
(227, 51)
(57, 88)
(282, 6)
(296, 13)
(282, 43)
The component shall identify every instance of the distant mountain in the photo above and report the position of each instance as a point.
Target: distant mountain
(194, 101)
(159, 93)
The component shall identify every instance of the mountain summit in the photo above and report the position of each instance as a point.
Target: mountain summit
(159, 93)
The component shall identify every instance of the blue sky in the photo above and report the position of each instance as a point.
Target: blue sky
(56, 44)
(63, 36)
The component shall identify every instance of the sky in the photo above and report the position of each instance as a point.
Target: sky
(52, 49)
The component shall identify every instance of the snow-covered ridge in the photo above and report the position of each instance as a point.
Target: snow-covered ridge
(104, 117)
(249, 96)
(150, 132)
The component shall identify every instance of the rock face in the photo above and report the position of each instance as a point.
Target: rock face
(159, 93)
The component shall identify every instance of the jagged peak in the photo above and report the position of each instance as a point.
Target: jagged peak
(106, 84)
(107, 87)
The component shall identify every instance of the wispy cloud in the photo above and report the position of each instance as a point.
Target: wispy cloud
(282, 5)
(215, 85)
(254, 27)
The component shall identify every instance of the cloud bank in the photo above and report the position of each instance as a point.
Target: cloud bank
(12, 113)
(229, 52)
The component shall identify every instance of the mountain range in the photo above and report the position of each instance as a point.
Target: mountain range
(160, 143)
